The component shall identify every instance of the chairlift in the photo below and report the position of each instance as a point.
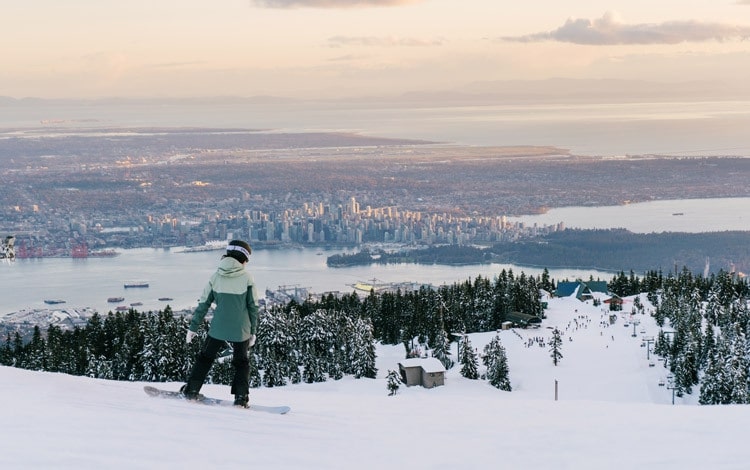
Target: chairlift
(661, 382)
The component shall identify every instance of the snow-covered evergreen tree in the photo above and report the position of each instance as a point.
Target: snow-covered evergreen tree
(36, 351)
(363, 353)
(737, 367)
(315, 344)
(441, 351)
(469, 360)
(496, 361)
(556, 346)
(255, 379)
(394, 382)
(711, 392)
(275, 344)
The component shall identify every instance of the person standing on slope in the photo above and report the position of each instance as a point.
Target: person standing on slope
(235, 320)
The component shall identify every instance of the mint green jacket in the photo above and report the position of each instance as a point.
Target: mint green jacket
(233, 291)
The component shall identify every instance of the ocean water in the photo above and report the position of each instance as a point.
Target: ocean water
(678, 128)
(683, 215)
(182, 276)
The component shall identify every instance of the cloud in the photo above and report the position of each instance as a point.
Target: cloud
(388, 41)
(330, 3)
(609, 30)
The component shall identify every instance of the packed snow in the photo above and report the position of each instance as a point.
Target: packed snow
(610, 411)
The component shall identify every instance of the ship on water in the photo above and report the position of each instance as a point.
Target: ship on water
(115, 299)
(54, 301)
(130, 284)
(370, 285)
(82, 251)
(211, 245)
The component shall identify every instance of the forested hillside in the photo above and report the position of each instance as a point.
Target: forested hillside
(704, 338)
(605, 250)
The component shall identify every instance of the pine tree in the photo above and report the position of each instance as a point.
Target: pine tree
(737, 367)
(363, 352)
(255, 378)
(496, 361)
(315, 345)
(151, 354)
(36, 351)
(441, 351)
(394, 382)
(469, 361)
(712, 390)
(6, 353)
(19, 352)
(276, 347)
(556, 346)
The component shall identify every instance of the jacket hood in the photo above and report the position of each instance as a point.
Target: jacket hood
(230, 267)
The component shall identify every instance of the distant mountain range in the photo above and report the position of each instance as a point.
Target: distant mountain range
(485, 92)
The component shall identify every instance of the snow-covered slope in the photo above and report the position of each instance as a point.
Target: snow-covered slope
(610, 413)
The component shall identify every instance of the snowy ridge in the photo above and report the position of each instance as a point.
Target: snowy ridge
(611, 413)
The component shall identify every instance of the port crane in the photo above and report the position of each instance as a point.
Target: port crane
(7, 249)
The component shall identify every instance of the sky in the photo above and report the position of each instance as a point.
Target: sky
(346, 48)
(610, 413)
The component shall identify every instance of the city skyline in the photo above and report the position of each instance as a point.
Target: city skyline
(350, 48)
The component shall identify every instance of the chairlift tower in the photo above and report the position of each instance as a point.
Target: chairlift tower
(671, 385)
(648, 341)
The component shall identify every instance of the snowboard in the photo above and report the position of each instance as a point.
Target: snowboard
(156, 392)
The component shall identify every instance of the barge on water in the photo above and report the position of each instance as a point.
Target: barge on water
(130, 284)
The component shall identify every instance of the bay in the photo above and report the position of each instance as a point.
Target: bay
(683, 215)
(182, 276)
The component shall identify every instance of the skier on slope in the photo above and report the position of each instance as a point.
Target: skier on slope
(235, 320)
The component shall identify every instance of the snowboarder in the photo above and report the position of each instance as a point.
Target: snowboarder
(235, 321)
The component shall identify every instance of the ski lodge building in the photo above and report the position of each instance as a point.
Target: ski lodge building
(583, 290)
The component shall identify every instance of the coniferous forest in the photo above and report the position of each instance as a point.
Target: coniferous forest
(704, 340)
(601, 249)
(312, 341)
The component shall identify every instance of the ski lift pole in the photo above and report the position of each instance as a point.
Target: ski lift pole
(671, 385)
(648, 340)
(458, 345)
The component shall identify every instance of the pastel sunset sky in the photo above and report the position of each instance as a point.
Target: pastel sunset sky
(344, 48)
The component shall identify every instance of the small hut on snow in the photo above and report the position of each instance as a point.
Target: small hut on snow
(427, 372)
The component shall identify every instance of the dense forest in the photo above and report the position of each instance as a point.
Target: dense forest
(606, 250)
(619, 249)
(311, 342)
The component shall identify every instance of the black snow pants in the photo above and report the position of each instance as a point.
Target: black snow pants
(206, 357)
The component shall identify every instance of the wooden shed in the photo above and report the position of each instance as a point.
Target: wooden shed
(427, 372)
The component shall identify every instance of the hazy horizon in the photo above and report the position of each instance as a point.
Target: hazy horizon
(342, 49)
(554, 89)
